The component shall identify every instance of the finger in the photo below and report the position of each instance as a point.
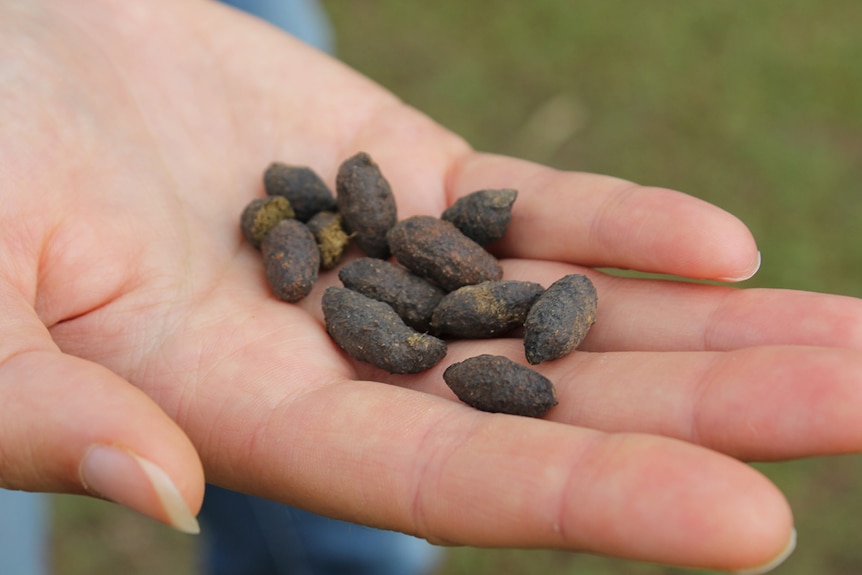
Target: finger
(69, 425)
(600, 221)
(761, 403)
(660, 315)
(395, 458)
(580, 218)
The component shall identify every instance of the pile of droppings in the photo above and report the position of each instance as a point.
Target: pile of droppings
(424, 280)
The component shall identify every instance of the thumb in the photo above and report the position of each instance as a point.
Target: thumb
(72, 426)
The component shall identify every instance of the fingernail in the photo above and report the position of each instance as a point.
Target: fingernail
(747, 276)
(791, 545)
(125, 478)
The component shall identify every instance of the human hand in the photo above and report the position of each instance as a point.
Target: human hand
(133, 135)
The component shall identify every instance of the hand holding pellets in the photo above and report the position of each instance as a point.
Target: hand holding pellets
(444, 284)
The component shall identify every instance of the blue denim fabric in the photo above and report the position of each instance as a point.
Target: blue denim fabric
(23, 533)
(246, 535)
(304, 19)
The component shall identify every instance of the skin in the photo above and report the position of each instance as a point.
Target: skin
(133, 314)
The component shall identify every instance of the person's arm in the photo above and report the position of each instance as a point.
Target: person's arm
(141, 346)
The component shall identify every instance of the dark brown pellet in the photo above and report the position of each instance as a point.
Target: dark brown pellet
(437, 250)
(412, 297)
(291, 260)
(488, 309)
(497, 384)
(261, 215)
(371, 331)
(331, 238)
(482, 216)
(367, 204)
(560, 318)
(307, 193)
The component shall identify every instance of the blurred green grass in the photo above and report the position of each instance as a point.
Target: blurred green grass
(753, 106)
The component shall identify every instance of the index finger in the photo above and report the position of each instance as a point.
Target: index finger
(602, 221)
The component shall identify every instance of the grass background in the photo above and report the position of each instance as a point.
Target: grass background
(754, 106)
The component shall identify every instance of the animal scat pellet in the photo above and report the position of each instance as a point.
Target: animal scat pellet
(291, 260)
(484, 215)
(306, 191)
(435, 249)
(261, 215)
(370, 331)
(497, 384)
(367, 204)
(560, 318)
(412, 297)
(487, 309)
(331, 238)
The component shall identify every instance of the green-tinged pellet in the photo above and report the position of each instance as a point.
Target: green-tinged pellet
(306, 191)
(331, 238)
(370, 331)
(560, 318)
(291, 260)
(260, 215)
(497, 384)
(487, 309)
(412, 297)
(435, 249)
(366, 203)
(482, 216)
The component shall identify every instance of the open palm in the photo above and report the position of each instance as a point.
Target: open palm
(134, 133)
